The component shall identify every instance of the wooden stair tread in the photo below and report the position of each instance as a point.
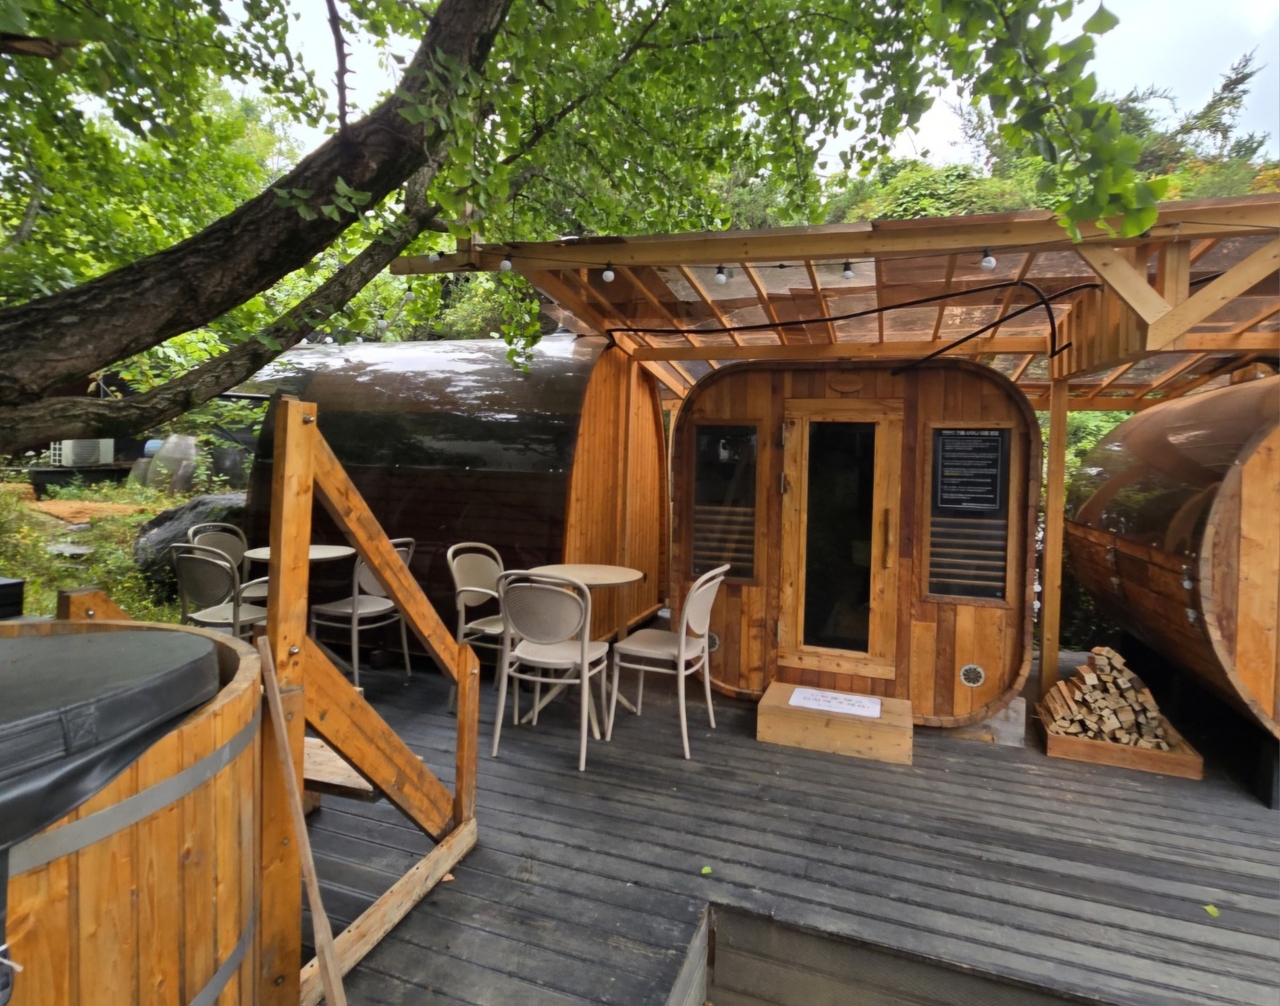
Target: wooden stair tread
(324, 771)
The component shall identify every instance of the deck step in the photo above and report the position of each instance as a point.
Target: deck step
(861, 726)
(324, 771)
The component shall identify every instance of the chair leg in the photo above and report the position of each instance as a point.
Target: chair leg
(639, 692)
(606, 726)
(537, 701)
(613, 699)
(355, 654)
(706, 686)
(585, 685)
(515, 703)
(502, 701)
(684, 716)
(404, 642)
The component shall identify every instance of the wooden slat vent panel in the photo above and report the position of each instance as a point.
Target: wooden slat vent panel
(724, 534)
(968, 556)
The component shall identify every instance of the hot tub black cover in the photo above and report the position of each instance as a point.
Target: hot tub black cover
(77, 709)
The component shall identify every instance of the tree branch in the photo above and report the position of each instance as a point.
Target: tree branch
(28, 222)
(47, 342)
(340, 47)
(35, 424)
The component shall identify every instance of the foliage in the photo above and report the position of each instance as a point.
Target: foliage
(110, 198)
(589, 116)
(25, 537)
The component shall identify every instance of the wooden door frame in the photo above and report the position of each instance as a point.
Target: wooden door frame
(880, 659)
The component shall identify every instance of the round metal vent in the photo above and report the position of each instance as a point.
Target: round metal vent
(713, 642)
(972, 675)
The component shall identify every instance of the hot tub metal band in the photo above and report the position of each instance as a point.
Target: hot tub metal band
(45, 848)
(77, 835)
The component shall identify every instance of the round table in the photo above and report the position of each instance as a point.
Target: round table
(315, 553)
(592, 574)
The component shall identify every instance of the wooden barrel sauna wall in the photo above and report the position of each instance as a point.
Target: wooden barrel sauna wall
(449, 442)
(161, 910)
(922, 588)
(1172, 526)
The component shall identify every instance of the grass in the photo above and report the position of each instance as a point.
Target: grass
(26, 536)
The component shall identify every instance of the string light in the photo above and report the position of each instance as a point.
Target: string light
(847, 271)
(721, 278)
(505, 264)
(608, 273)
(988, 260)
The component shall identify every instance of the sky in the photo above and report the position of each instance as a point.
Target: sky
(1182, 45)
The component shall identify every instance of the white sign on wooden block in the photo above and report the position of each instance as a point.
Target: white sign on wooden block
(836, 702)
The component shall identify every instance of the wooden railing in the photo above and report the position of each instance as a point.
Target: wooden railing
(315, 694)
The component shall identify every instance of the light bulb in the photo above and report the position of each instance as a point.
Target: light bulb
(505, 264)
(608, 273)
(409, 297)
(328, 339)
(433, 257)
(847, 271)
(721, 278)
(382, 324)
(988, 260)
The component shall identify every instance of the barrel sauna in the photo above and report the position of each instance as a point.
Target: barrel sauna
(1174, 526)
(878, 519)
(449, 442)
(161, 910)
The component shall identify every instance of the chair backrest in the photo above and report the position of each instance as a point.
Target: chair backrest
(696, 617)
(206, 577)
(366, 582)
(544, 609)
(195, 530)
(232, 545)
(473, 564)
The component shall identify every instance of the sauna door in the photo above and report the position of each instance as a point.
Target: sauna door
(841, 476)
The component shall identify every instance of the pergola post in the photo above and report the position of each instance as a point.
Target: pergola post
(1051, 562)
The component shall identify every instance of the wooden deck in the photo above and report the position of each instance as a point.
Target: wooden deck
(1089, 881)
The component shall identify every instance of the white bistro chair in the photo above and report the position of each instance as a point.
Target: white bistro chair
(546, 640)
(475, 568)
(680, 653)
(230, 539)
(210, 591)
(368, 607)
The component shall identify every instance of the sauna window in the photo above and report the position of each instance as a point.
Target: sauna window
(724, 499)
(969, 516)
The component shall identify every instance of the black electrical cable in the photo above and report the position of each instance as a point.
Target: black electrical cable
(1043, 300)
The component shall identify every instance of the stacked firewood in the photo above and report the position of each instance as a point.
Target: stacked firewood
(1105, 701)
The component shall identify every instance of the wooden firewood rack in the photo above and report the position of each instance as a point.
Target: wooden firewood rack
(315, 694)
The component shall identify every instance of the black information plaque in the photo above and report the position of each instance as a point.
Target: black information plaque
(970, 470)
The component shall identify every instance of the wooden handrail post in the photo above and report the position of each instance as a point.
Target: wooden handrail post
(280, 919)
(464, 779)
(1054, 509)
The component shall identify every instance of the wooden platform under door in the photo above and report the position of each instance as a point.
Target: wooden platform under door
(886, 738)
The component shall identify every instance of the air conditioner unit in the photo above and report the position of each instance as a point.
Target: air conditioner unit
(81, 453)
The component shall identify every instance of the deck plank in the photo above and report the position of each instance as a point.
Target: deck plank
(587, 887)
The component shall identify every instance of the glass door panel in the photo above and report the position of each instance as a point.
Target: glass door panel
(838, 537)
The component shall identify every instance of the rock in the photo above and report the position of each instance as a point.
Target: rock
(151, 549)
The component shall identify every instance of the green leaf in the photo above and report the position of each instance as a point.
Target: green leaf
(706, 871)
(1212, 910)
(1101, 22)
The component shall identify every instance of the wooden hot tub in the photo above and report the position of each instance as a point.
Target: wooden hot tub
(1173, 524)
(160, 909)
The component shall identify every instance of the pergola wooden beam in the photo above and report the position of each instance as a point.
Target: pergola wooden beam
(1231, 284)
(839, 350)
(1031, 230)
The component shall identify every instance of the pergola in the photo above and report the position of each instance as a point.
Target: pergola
(1100, 323)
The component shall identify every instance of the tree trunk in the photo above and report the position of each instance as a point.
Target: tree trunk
(36, 424)
(47, 342)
